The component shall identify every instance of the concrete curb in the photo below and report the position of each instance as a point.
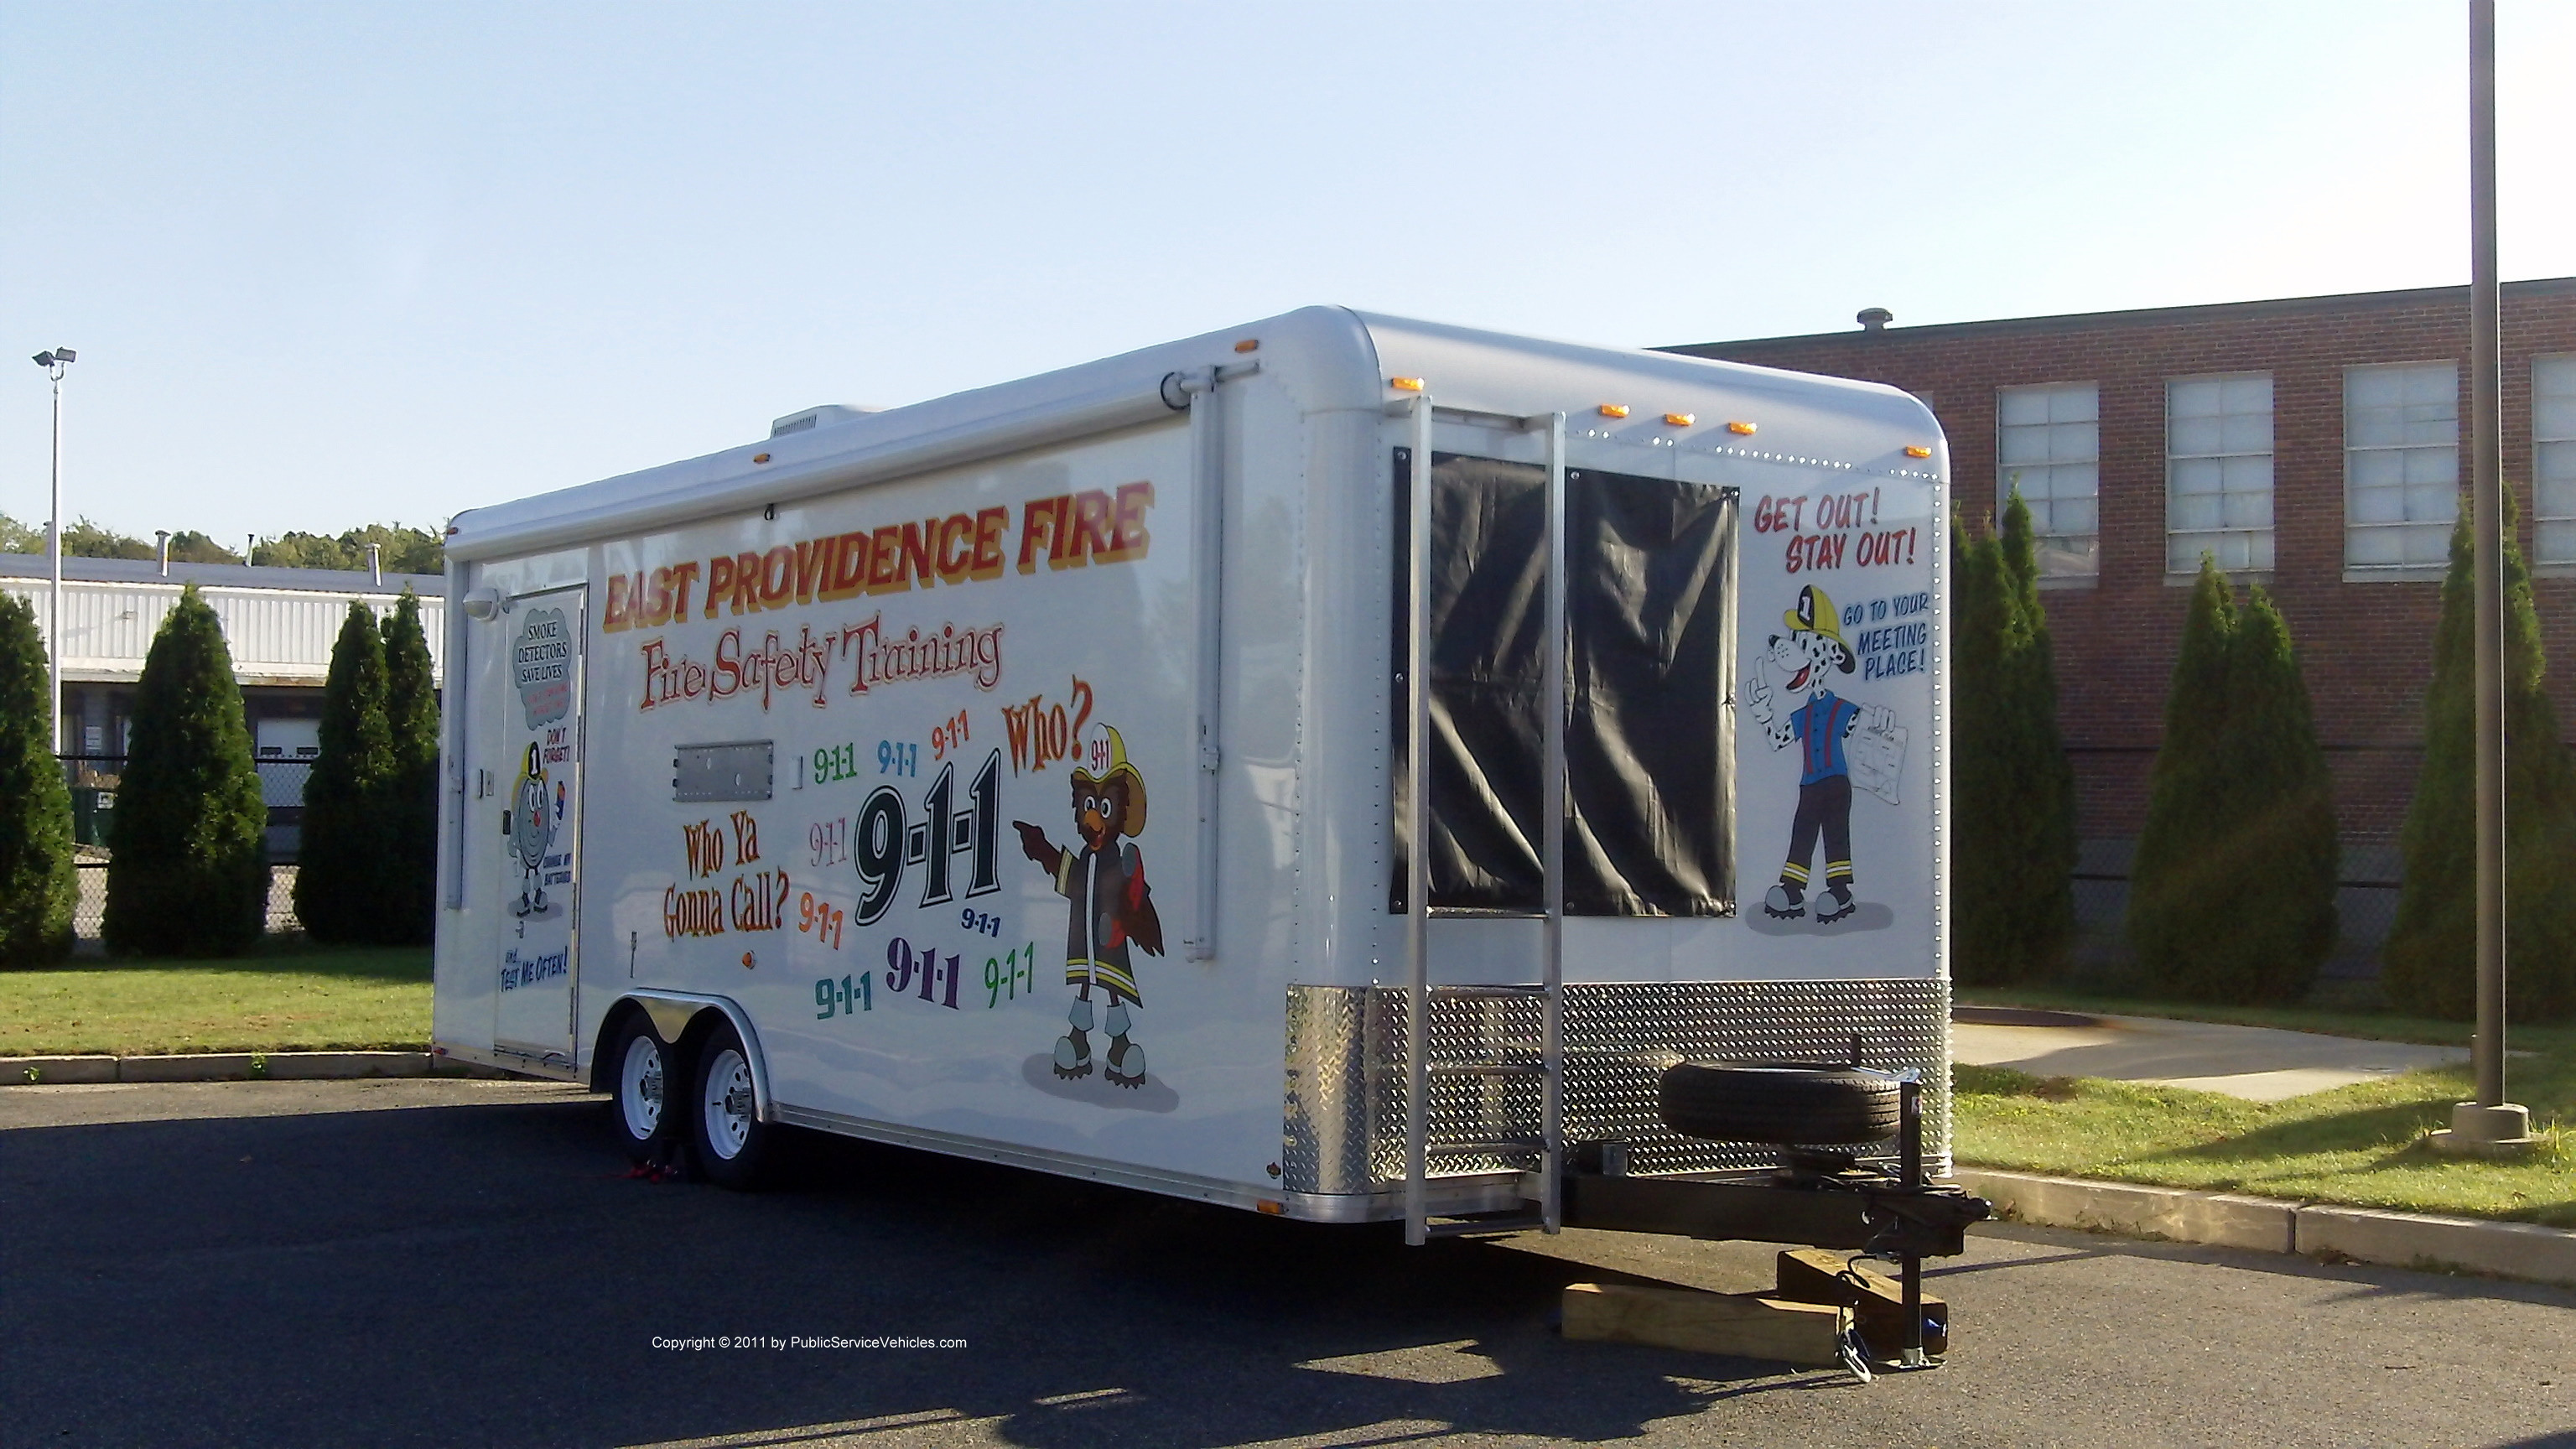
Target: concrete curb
(2524, 1251)
(232, 1067)
(2227, 1220)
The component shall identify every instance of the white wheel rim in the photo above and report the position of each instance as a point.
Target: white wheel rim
(639, 1087)
(728, 1103)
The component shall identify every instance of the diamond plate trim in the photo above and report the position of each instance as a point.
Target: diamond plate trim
(1346, 1089)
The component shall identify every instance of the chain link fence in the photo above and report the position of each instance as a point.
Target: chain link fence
(92, 910)
(94, 780)
(2365, 907)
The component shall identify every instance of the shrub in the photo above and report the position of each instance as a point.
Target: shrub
(38, 882)
(410, 809)
(189, 873)
(2429, 967)
(338, 895)
(2012, 888)
(2231, 897)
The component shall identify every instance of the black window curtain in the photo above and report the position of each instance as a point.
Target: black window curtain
(1650, 741)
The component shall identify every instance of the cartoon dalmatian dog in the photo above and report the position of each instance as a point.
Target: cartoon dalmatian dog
(1819, 722)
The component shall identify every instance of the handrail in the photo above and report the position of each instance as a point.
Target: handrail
(1417, 835)
(1552, 838)
(1550, 1145)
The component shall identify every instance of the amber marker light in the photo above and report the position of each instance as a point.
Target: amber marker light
(760, 457)
(1249, 344)
(1681, 420)
(1405, 384)
(1741, 430)
(1614, 410)
(1916, 450)
(1272, 1207)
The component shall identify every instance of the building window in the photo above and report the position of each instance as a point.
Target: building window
(2218, 471)
(2553, 471)
(2048, 444)
(2401, 465)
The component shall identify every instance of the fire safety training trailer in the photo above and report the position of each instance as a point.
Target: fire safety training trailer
(1031, 775)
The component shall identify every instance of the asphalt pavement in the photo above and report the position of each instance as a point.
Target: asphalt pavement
(461, 1262)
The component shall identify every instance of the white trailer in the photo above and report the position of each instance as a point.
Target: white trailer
(1025, 775)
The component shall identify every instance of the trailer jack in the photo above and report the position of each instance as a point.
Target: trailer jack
(1817, 1199)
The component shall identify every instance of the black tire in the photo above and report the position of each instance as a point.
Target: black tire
(732, 1145)
(643, 1088)
(1807, 1104)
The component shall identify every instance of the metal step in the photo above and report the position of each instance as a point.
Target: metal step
(1468, 1227)
(1489, 1069)
(1505, 992)
(1486, 1147)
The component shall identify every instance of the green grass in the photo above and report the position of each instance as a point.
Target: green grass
(2362, 1145)
(289, 997)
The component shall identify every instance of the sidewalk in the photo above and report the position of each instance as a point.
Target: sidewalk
(2257, 1063)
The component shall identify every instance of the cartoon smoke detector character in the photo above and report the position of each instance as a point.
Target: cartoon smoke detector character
(531, 828)
(1818, 722)
(1112, 908)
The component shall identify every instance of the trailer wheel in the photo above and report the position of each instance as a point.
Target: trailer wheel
(724, 1124)
(1789, 1103)
(646, 1090)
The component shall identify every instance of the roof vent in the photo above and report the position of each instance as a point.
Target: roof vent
(1874, 319)
(822, 417)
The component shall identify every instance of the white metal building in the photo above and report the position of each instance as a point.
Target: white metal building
(278, 622)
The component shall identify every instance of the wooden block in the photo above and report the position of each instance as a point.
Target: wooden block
(1813, 1275)
(1686, 1318)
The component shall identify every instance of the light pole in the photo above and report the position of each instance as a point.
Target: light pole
(54, 363)
(2489, 1126)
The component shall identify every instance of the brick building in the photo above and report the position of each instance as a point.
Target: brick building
(2311, 443)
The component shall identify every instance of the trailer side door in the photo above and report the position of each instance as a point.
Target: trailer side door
(536, 738)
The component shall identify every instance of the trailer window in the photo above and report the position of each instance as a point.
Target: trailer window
(1650, 683)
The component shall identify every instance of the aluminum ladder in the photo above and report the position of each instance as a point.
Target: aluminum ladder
(1548, 1148)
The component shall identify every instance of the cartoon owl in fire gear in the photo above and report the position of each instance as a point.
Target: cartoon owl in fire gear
(1111, 906)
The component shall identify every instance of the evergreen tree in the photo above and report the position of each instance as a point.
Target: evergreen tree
(341, 862)
(189, 874)
(2012, 894)
(2232, 896)
(38, 883)
(2177, 865)
(2044, 813)
(1981, 934)
(2276, 924)
(2429, 966)
(410, 810)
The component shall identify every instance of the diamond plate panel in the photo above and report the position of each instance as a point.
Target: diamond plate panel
(1346, 1087)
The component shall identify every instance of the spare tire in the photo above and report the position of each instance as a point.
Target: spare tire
(1789, 1103)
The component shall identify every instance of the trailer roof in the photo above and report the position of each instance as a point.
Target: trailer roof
(1328, 358)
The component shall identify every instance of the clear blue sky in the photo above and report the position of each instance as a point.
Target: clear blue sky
(327, 264)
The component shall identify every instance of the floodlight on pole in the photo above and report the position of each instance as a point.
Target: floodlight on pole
(54, 362)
